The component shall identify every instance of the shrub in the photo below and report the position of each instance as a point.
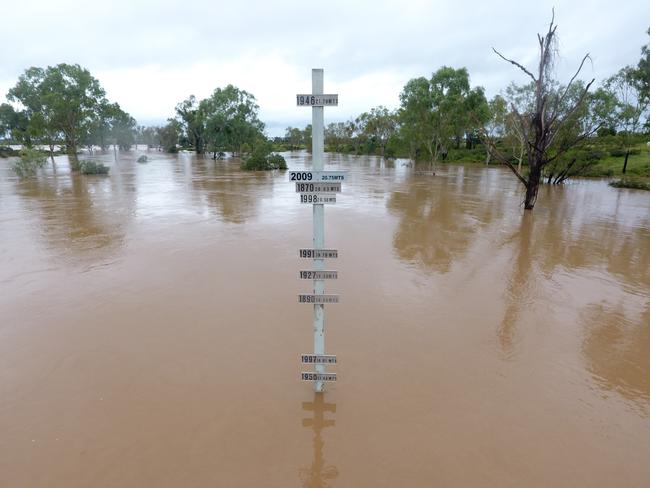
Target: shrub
(30, 160)
(620, 152)
(276, 161)
(93, 168)
(594, 155)
(260, 160)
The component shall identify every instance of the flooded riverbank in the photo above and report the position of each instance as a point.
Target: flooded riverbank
(150, 331)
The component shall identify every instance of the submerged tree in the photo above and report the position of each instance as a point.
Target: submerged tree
(440, 111)
(191, 115)
(293, 136)
(379, 124)
(549, 115)
(59, 99)
(14, 124)
(167, 136)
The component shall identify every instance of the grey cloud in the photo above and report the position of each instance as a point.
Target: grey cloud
(409, 38)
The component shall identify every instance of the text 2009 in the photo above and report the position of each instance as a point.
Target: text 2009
(306, 176)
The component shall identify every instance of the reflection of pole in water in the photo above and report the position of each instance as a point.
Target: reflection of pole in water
(317, 474)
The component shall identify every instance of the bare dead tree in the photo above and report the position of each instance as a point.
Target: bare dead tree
(548, 116)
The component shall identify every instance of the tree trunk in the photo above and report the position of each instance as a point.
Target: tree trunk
(532, 186)
(72, 157)
(627, 155)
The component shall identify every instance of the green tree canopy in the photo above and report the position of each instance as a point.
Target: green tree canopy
(191, 115)
(59, 100)
(442, 110)
(231, 119)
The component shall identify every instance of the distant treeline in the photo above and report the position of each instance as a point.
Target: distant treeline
(440, 118)
(444, 118)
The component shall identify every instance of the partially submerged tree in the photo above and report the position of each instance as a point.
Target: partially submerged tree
(335, 136)
(379, 124)
(293, 136)
(29, 162)
(191, 115)
(440, 111)
(231, 120)
(59, 99)
(549, 115)
(167, 136)
(14, 125)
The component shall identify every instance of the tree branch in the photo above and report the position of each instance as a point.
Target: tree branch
(575, 141)
(571, 112)
(497, 155)
(515, 63)
(566, 90)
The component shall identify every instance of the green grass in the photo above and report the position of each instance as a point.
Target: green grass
(635, 182)
(638, 164)
(607, 157)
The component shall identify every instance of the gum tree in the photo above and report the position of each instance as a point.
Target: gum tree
(59, 99)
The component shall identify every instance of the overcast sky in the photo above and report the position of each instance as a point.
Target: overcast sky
(150, 55)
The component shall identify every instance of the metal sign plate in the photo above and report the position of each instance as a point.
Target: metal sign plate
(318, 359)
(319, 275)
(312, 298)
(319, 187)
(317, 198)
(319, 253)
(309, 100)
(323, 176)
(309, 376)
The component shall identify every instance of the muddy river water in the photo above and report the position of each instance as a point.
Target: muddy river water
(150, 331)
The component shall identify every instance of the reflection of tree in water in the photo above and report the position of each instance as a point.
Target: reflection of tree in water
(73, 220)
(568, 237)
(317, 475)
(440, 216)
(235, 195)
(519, 285)
(616, 348)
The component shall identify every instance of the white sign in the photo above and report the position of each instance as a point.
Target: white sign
(318, 187)
(317, 198)
(309, 376)
(308, 100)
(318, 359)
(319, 253)
(317, 176)
(317, 299)
(319, 275)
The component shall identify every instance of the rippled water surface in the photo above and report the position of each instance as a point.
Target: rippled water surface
(150, 332)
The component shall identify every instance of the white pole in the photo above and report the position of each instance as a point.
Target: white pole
(317, 154)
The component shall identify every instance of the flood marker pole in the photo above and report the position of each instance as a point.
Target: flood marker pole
(318, 156)
(318, 187)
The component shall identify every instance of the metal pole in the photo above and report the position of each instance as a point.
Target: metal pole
(317, 154)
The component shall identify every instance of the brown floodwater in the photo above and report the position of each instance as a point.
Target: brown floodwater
(150, 332)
